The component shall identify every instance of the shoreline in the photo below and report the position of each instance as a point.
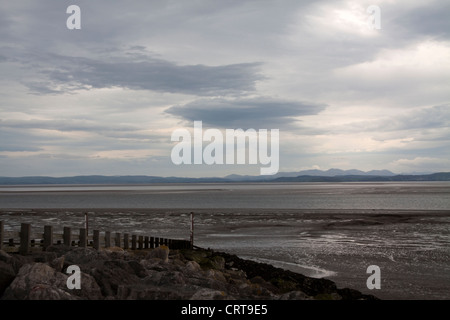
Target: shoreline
(157, 274)
(301, 237)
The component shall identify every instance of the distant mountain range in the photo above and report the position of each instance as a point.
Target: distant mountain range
(315, 172)
(331, 175)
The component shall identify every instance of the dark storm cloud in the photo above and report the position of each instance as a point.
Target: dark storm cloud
(261, 112)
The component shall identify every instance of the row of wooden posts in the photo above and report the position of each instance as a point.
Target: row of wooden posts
(134, 242)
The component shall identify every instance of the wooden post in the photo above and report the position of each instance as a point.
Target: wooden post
(126, 241)
(192, 230)
(117, 239)
(83, 237)
(107, 239)
(25, 233)
(67, 236)
(152, 242)
(96, 240)
(141, 242)
(156, 242)
(48, 237)
(86, 222)
(133, 242)
(146, 239)
(2, 234)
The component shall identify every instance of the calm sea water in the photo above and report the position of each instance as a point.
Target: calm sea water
(318, 229)
(416, 195)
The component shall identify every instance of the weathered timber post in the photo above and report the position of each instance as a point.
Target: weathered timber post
(126, 241)
(146, 240)
(107, 239)
(67, 236)
(86, 222)
(2, 234)
(156, 242)
(152, 242)
(141, 242)
(48, 237)
(83, 237)
(96, 239)
(133, 242)
(192, 230)
(117, 240)
(25, 233)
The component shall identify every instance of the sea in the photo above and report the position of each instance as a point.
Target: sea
(337, 231)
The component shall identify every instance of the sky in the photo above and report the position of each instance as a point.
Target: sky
(106, 98)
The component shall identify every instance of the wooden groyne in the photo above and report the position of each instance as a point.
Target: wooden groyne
(25, 241)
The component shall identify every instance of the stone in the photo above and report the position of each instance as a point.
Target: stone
(208, 294)
(57, 264)
(4, 256)
(162, 252)
(111, 274)
(35, 276)
(192, 267)
(294, 295)
(47, 292)
(7, 276)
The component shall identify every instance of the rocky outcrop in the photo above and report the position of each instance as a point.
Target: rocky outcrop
(155, 274)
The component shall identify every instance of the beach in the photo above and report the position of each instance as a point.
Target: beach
(409, 246)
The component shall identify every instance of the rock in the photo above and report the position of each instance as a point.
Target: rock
(44, 257)
(151, 292)
(137, 268)
(294, 295)
(17, 261)
(90, 290)
(192, 267)
(36, 276)
(150, 274)
(5, 257)
(39, 281)
(112, 274)
(7, 276)
(57, 264)
(86, 257)
(217, 262)
(208, 294)
(59, 249)
(162, 252)
(47, 292)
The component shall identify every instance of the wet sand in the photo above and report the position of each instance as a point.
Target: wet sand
(410, 247)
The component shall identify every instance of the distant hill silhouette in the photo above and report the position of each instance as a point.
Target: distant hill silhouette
(339, 176)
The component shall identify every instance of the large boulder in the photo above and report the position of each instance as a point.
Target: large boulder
(112, 274)
(37, 281)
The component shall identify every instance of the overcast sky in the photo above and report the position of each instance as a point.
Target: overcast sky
(105, 99)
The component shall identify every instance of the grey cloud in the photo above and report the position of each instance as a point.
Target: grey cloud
(261, 112)
(113, 131)
(424, 118)
(427, 20)
(62, 74)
